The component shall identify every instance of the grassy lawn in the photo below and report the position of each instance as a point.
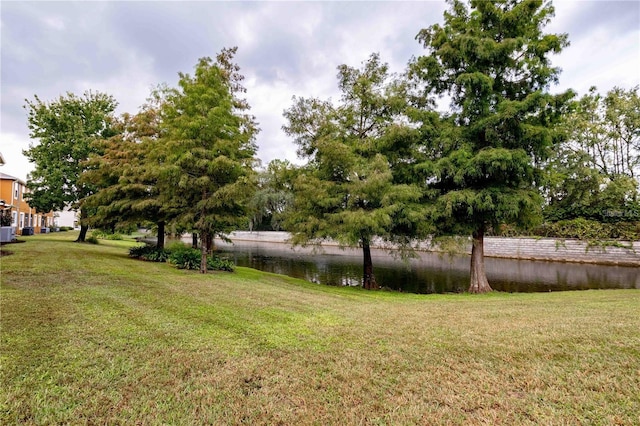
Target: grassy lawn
(91, 336)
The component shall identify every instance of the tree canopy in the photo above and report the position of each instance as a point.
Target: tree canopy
(65, 130)
(126, 174)
(208, 149)
(493, 60)
(347, 192)
(593, 174)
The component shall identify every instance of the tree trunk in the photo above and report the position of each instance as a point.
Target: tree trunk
(83, 233)
(368, 280)
(479, 282)
(203, 252)
(83, 227)
(209, 244)
(160, 242)
(194, 240)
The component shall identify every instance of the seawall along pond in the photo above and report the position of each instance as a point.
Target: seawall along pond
(621, 253)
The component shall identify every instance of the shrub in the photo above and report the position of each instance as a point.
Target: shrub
(216, 263)
(105, 235)
(585, 229)
(98, 233)
(180, 256)
(183, 257)
(149, 253)
(91, 239)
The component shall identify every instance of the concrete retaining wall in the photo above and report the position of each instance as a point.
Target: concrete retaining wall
(615, 253)
(618, 253)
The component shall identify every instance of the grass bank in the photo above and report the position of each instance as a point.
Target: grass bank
(91, 336)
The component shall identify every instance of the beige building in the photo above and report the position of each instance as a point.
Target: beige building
(23, 216)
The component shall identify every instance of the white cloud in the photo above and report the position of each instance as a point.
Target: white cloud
(54, 22)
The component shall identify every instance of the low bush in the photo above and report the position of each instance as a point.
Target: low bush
(91, 239)
(149, 253)
(105, 235)
(216, 263)
(585, 229)
(180, 256)
(183, 257)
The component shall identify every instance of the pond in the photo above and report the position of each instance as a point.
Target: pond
(428, 273)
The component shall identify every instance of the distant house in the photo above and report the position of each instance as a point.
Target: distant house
(68, 218)
(12, 191)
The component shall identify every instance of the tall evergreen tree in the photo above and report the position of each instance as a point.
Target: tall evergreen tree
(126, 174)
(493, 59)
(66, 130)
(347, 191)
(208, 149)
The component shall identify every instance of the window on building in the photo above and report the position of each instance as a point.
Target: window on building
(15, 190)
(14, 218)
(21, 220)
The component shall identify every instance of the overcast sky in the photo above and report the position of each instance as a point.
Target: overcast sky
(284, 49)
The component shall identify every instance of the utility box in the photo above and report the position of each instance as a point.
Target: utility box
(44, 230)
(6, 234)
(27, 231)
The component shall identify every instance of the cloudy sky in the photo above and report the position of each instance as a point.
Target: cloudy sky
(284, 49)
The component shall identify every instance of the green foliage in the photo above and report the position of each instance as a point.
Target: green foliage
(215, 263)
(105, 235)
(493, 61)
(149, 253)
(274, 196)
(208, 147)
(348, 191)
(92, 239)
(127, 171)
(585, 229)
(185, 258)
(482, 166)
(593, 174)
(65, 130)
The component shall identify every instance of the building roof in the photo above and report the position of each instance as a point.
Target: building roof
(4, 176)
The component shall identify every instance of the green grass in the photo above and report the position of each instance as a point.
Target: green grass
(91, 336)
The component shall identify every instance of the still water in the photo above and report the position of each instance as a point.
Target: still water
(429, 273)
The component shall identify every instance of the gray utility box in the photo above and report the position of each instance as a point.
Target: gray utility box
(6, 234)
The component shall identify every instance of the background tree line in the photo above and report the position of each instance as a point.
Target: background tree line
(383, 164)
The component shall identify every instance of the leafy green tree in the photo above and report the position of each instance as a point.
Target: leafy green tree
(273, 197)
(208, 149)
(65, 130)
(492, 59)
(607, 128)
(593, 173)
(127, 174)
(347, 191)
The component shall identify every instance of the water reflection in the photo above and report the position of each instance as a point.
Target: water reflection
(429, 273)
